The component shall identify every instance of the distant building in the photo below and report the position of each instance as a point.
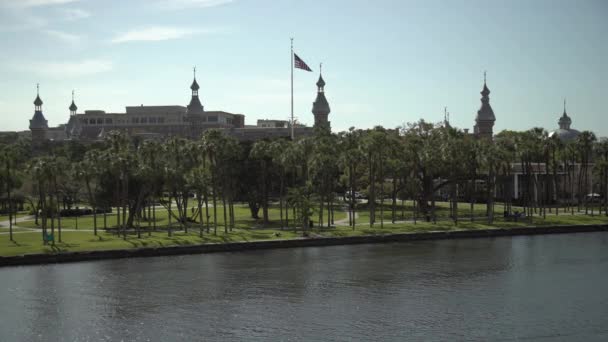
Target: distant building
(320, 108)
(273, 123)
(150, 122)
(565, 132)
(484, 122)
(38, 124)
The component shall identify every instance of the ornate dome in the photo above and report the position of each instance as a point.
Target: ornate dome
(485, 112)
(194, 85)
(38, 101)
(321, 82)
(565, 135)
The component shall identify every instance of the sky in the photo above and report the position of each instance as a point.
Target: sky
(385, 62)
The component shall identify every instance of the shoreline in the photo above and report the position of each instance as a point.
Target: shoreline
(65, 257)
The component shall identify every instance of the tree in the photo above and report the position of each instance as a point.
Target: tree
(350, 157)
(262, 152)
(9, 159)
(323, 170)
(585, 143)
(212, 142)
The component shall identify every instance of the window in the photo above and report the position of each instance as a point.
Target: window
(100, 121)
(92, 121)
(144, 120)
(108, 121)
(135, 120)
(152, 120)
(212, 119)
(161, 120)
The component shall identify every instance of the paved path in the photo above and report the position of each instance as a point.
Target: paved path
(344, 221)
(6, 224)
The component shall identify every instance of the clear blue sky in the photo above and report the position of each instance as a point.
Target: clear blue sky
(385, 62)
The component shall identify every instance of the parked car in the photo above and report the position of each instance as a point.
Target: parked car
(358, 195)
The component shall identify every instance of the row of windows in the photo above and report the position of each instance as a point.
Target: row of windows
(212, 118)
(108, 121)
(146, 120)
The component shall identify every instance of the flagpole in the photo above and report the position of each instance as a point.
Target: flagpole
(292, 122)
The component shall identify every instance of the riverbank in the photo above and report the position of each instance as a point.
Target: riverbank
(379, 236)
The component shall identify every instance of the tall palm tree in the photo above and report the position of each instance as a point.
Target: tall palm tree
(9, 159)
(350, 157)
(262, 152)
(212, 141)
(281, 160)
(585, 143)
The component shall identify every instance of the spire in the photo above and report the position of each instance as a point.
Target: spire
(195, 106)
(194, 85)
(484, 122)
(38, 122)
(321, 82)
(485, 112)
(446, 117)
(320, 108)
(485, 91)
(564, 121)
(73, 108)
(38, 102)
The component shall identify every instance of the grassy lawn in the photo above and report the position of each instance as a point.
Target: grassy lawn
(442, 211)
(19, 214)
(31, 242)
(241, 213)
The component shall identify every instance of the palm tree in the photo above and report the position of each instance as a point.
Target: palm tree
(555, 149)
(323, 169)
(227, 156)
(90, 170)
(350, 157)
(9, 161)
(585, 143)
(602, 165)
(212, 141)
(262, 152)
(281, 159)
(44, 172)
(120, 157)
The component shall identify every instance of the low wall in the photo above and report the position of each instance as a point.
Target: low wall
(31, 259)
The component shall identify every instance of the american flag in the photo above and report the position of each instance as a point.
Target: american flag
(299, 63)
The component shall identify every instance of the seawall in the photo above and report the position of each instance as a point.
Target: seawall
(32, 259)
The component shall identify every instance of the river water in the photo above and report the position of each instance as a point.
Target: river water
(548, 288)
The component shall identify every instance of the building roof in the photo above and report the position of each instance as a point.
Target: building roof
(485, 112)
(321, 82)
(321, 106)
(194, 85)
(565, 132)
(565, 135)
(38, 121)
(38, 101)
